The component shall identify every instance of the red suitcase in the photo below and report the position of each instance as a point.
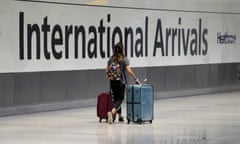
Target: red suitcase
(104, 105)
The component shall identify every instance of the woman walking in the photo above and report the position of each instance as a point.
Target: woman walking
(116, 69)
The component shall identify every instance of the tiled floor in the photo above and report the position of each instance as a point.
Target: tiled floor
(203, 119)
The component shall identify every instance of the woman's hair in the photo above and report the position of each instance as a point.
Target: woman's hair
(118, 53)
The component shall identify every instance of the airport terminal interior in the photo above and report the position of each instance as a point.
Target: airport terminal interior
(55, 60)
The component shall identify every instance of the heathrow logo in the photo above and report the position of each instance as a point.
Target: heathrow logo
(225, 38)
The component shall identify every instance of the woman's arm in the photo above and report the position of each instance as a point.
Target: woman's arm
(131, 73)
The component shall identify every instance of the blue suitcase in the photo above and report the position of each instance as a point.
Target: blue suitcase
(140, 103)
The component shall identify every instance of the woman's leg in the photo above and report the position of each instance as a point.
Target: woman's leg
(118, 91)
(121, 98)
(116, 88)
(115, 93)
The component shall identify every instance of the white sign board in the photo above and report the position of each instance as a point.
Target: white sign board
(56, 36)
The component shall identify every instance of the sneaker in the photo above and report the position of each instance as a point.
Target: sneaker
(110, 117)
(121, 119)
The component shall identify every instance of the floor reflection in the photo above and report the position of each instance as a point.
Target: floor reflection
(205, 119)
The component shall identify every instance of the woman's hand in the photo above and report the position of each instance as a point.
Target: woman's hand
(138, 81)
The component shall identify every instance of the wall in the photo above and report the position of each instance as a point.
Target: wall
(43, 91)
